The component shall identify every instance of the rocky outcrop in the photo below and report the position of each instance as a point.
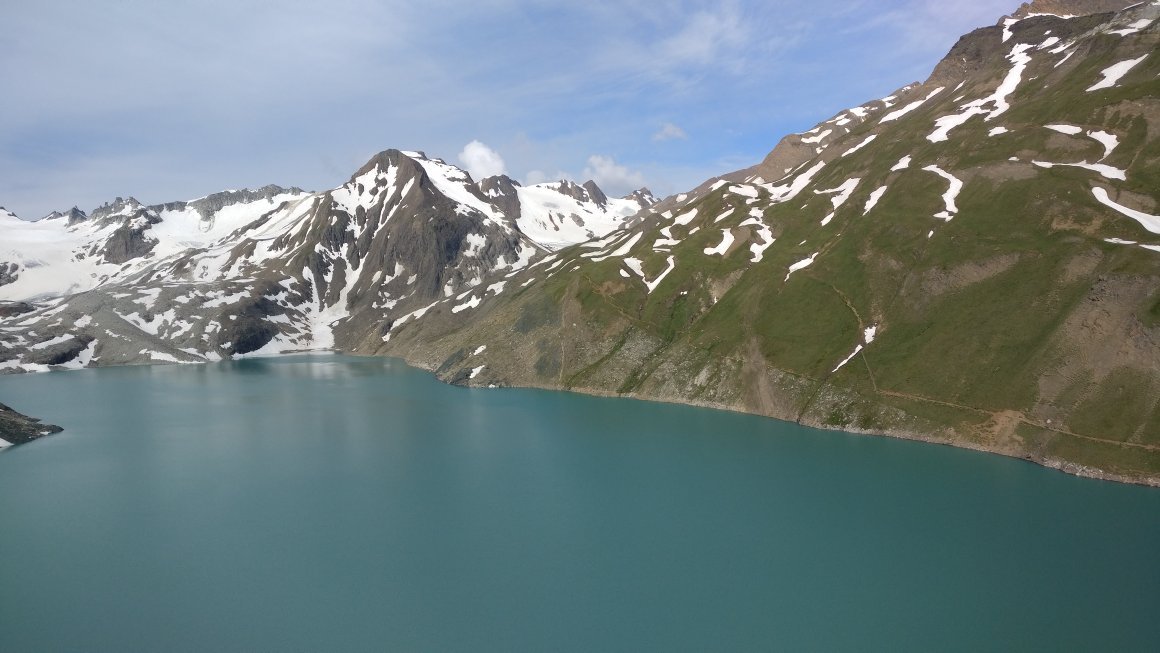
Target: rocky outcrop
(12, 309)
(16, 428)
(62, 352)
(9, 272)
(595, 194)
(643, 197)
(501, 191)
(129, 241)
(71, 217)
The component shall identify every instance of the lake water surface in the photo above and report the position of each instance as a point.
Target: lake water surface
(330, 503)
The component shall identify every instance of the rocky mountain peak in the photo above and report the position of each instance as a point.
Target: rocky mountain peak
(642, 196)
(119, 206)
(1069, 8)
(595, 194)
(384, 160)
(501, 191)
(72, 216)
(586, 192)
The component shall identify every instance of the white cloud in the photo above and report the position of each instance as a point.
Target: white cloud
(481, 161)
(612, 177)
(668, 132)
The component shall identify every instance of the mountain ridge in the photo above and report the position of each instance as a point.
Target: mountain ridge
(661, 323)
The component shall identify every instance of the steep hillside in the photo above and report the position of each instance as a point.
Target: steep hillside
(974, 261)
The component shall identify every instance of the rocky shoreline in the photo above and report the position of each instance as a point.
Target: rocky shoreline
(18, 428)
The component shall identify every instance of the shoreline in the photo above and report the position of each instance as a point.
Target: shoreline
(1063, 466)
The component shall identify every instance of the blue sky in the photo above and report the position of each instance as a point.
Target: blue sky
(175, 100)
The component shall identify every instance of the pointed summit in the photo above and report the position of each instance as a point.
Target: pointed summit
(642, 196)
(1069, 8)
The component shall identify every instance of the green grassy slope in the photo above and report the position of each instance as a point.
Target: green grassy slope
(1014, 327)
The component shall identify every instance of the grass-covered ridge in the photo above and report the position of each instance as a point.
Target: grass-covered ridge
(1016, 326)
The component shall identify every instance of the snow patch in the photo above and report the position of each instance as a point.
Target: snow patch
(802, 264)
(1109, 141)
(744, 191)
(956, 185)
(874, 197)
(1105, 170)
(841, 194)
(817, 139)
(1132, 28)
(1149, 222)
(470, 303)
(726, 243)
(898, 113)
(791, 190)
(868, 337)
(637, 266)
(1019, 60)
(1113, 74)
(869, 139)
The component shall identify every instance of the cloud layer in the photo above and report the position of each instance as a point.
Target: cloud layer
(171, 101)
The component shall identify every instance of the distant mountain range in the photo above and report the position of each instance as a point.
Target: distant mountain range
(974, 260)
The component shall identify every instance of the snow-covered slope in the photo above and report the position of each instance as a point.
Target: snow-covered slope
(277, 269)
(560, 214)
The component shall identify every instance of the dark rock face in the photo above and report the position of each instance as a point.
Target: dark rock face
(73, 216)
(129, 242)
(571, 189)
(248, 331)
(971, 53)
(595, 194)
(61, 353)
(8, 273)
(642, 196)
(10, 309)
(501, 192)
(16, 428)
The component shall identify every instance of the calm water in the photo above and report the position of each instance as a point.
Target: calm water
(330, 503)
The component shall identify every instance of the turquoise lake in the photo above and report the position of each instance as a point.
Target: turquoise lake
(329, 503)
